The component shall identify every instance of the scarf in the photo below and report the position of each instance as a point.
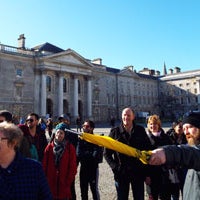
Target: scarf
(58, 150)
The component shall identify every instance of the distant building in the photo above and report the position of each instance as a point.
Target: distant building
(51, 81)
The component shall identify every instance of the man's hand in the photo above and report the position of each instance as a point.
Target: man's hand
(158, 157)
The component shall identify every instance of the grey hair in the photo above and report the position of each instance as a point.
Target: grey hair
(12, 132)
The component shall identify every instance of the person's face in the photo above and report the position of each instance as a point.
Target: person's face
(127, 117)
(4, 147)
(60, 135)
(192, 134)
(31, 121)
(153, 127)
(87, 128)
(179, 129)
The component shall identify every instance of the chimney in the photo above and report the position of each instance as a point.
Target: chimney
(170, 71)
(129, 67)
(157, 73)
(97, 61)
(177, 70)
(21, 42)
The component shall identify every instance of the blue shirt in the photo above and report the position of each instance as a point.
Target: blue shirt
(24, 179)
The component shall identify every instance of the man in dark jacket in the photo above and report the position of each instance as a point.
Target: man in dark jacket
(88, 156)
(185, 156)
(38, 137)
(128, 170)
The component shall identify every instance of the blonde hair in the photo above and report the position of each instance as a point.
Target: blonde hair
(155, 120)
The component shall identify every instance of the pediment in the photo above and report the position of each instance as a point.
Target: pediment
(129, 72)
(70, 58)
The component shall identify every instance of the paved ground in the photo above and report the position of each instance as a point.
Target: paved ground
(106, 182)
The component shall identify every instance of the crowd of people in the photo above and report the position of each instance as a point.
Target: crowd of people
(39, 160)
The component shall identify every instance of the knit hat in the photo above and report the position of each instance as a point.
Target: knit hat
(62, 126)
(193, 119)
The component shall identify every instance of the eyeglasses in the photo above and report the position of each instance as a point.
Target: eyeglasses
(3, 138)
(29, 120)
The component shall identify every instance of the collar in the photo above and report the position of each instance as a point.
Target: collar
(13, 165)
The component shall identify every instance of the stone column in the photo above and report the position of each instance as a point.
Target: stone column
(43, 93)
(89, 97)
(75, 96)
(198, 90)
(60, 95)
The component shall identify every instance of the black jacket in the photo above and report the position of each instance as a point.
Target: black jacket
(123, 165)
(88, 153)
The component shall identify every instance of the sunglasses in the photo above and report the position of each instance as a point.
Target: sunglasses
(86, 126)
(29, 120)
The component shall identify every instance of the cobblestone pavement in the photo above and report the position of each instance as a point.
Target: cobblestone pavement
(106, 181)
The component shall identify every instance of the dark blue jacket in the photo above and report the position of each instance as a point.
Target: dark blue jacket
(24, 179)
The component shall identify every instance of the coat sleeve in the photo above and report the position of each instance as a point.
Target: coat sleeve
(72, 164)
(183, 155)
(111, 156)
(45, 159)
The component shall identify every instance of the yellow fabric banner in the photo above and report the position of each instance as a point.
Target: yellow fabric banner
(115, 145)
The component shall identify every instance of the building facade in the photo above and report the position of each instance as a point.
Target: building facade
(51, 81)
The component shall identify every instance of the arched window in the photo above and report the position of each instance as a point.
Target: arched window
(64, 85)
(79, 87)
(48, 82)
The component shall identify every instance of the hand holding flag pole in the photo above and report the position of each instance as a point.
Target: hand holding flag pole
(115, 145)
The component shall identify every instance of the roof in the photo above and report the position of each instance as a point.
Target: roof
(112, 70)
(147, 76)
(48, 48)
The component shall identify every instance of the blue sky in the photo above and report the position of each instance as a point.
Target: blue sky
(142, 33)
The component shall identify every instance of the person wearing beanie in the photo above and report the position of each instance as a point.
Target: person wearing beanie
(184, 156)
(59, 164)
(73, 139)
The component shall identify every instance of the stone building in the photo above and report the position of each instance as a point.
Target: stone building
(179, 92)
(51, 81)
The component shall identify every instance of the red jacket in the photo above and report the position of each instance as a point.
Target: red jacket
(60, 178)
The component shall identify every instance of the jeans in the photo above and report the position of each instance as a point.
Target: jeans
(89, 176)
(137, 186)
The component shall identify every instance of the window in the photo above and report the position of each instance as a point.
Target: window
(64, 85)
(19, 72)
(79, 87)
(48, 82)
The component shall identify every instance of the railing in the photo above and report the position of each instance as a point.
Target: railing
(15, 50)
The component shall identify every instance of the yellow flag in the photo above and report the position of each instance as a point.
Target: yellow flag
(115, 145)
